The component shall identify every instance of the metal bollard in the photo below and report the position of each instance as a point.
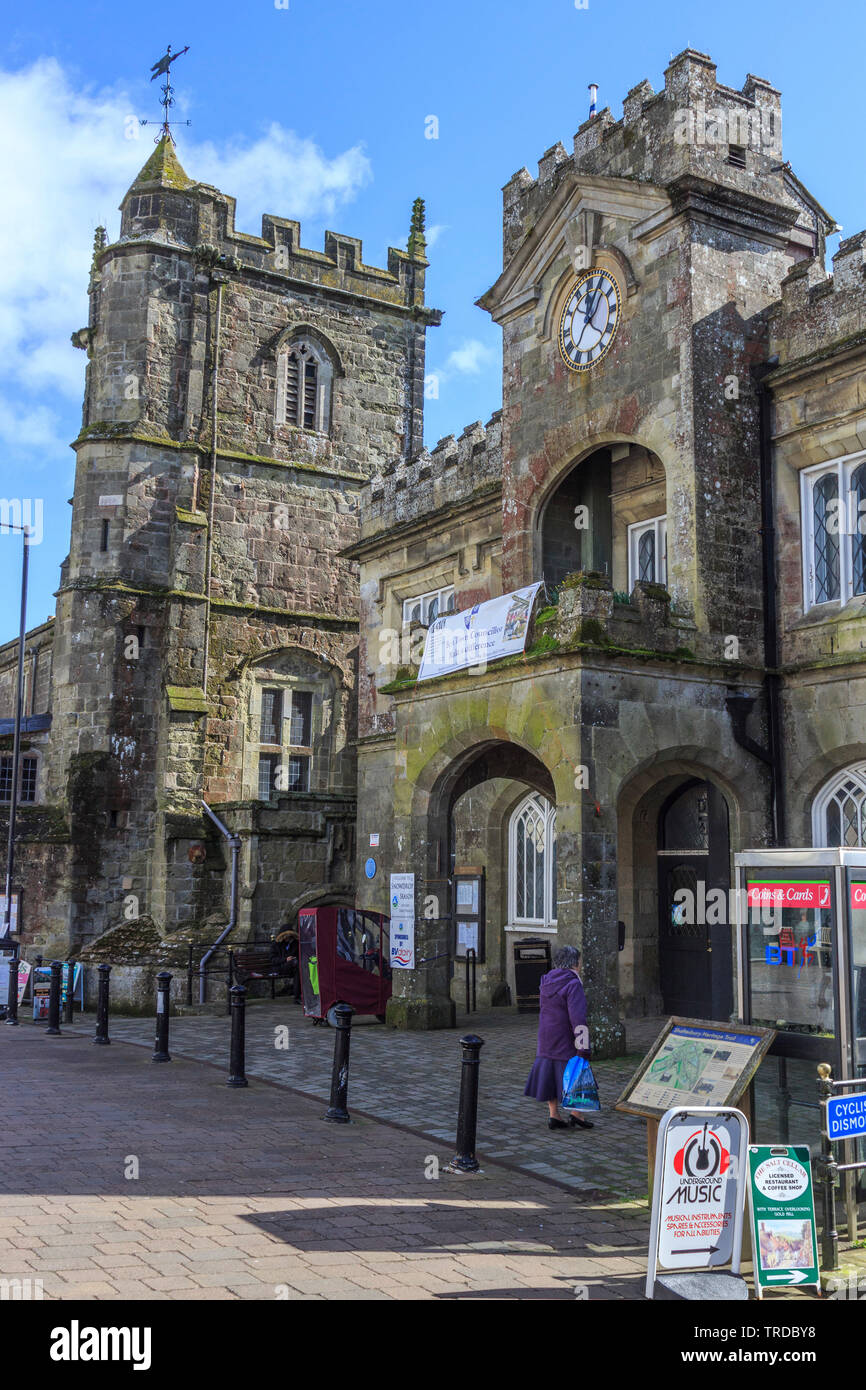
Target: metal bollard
(12, 993)
(471, 960)
(53, 1029)
(230, 975)
(237, 1004)
(828, 1171)
(70, 991)
(163, 995)
(340, 1072)
(101, 1037)
(464, 1161)
(189, 976)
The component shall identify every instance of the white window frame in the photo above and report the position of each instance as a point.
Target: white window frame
(659, 527)
(285, 749)
(443, 595)
(844, 468)
(855, 773)
(548, 922)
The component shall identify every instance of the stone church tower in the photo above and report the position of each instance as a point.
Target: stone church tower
(240, 391)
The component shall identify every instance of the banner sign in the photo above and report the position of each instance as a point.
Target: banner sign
(488, 630)
(23, 977)
(782, 1206)
(401, 932)
(789, 895)
(401, 929)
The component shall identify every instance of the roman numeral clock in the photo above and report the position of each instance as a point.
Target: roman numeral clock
(589, 320)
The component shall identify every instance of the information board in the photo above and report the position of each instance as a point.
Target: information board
(695, 1062)
(782, 1208)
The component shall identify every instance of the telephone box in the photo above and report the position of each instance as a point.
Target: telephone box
(801, 969)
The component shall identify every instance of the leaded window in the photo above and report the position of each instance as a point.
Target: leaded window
(839, 813)
(532, 862)
(834, 531)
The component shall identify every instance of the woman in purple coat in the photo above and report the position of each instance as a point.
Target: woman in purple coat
(562, 1033)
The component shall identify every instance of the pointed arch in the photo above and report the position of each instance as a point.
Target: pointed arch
(839, 810)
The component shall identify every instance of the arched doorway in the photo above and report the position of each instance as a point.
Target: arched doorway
(695, 967)
(500, 822)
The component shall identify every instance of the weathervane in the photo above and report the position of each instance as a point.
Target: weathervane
(159, 69)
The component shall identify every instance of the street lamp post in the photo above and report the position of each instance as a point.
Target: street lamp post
(12, 995)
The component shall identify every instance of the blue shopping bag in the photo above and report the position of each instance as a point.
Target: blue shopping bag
(579, 1086)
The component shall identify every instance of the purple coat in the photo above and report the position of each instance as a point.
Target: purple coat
(563, 1008)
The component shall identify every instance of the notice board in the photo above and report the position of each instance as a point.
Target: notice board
(695, 1061)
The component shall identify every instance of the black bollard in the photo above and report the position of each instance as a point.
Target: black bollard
(53, 1029)
(464, 1161)
(12, 993)
(163, 988)
(101, 1037)
(238, 1004)
(70, 991)
(340, 1073)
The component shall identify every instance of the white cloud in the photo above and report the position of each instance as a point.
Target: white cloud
(470, 358)
(65, 162)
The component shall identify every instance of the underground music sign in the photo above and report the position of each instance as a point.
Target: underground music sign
(701, 1187)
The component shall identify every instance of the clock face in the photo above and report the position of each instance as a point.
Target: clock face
(589, 319)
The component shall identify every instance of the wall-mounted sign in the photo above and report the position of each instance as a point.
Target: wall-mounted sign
(695, 1062)
(778, 894)
(370, 868)
(374, 839)
(13, 915)
(782, 1207)
(402, 895)
(846, 1116)
(483, 633)
(401, 931)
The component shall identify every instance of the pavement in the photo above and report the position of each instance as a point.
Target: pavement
(124, 1179)
(413, 1080)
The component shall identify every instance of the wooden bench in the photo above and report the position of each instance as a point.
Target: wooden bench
(268, 961)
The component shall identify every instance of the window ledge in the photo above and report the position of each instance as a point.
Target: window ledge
(835, 611)
(527, 929)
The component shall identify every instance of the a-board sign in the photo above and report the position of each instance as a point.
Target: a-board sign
(695, 1062)
(782, 1207)
(846, 1116)
(699, 1190)
(23, 977)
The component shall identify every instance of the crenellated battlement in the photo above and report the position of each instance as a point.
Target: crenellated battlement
(166, 207)
(453, 471)
(696, 128)
(817, 310)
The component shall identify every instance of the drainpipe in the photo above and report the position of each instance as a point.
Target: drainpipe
(219, 280)
(234, 843)
(772, 678)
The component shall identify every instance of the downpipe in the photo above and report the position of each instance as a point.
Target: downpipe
(234, 843)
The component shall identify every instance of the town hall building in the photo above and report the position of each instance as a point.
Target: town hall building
(260, 545)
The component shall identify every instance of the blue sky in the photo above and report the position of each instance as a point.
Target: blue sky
(318, 111)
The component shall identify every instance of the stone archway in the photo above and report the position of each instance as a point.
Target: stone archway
(644, 877)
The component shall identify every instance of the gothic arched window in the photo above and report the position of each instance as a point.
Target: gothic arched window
(305, 377)
(839, 810)
(532, 863)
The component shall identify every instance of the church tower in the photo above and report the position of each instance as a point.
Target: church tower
(240, 391)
